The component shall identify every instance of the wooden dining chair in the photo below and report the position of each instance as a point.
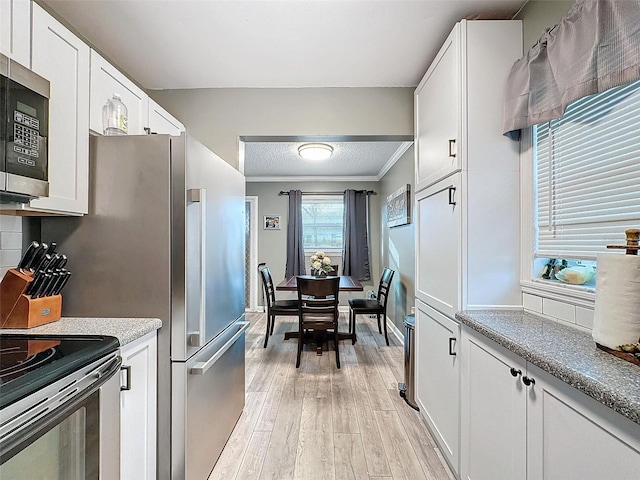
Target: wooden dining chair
(274, 307)
(318, 309)
(365, 306)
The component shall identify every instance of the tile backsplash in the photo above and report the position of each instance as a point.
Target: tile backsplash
(10, 242)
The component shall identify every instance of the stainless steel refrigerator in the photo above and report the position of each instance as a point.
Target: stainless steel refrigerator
(164, 238)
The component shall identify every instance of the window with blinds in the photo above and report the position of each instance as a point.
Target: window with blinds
(588, 175)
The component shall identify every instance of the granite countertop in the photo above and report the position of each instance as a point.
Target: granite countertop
(564, 352)
(126, 330)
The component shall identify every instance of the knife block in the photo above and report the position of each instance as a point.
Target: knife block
(19, 310)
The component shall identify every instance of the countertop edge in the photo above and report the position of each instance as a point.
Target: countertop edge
(599, 391)
(126, 330)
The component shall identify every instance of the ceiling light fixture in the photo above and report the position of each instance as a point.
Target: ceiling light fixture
(315, 151)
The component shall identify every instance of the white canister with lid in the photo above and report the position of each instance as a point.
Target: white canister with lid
(115, 117)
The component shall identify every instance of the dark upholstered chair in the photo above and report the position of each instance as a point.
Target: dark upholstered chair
(318, 309)
(275, 307)
(365, 306)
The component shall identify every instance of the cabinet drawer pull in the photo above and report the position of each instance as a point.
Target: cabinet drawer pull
(452, 195)
(127, 385)
(452, 148)
(452, 341)
(515, 372)
(528, 381)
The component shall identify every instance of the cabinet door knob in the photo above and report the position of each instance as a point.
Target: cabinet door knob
(452, 147)
(452, 341)
(528, 381)
(452, 193)
(514, 372)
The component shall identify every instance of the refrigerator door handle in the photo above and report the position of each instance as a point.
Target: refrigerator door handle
(199, 195)
(201, 368)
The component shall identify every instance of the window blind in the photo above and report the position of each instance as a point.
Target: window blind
(588, 175)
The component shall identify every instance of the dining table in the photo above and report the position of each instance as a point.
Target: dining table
(347, 284)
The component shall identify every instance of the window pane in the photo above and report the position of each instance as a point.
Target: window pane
(322, 222)
(587, 175)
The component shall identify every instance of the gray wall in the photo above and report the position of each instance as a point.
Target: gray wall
(539, 15)
(218, 117)
(398, 243)
(272, 243)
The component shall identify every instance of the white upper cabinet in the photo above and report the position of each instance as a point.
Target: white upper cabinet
(63, 59)
(107, 80)
(161, 121)
(458, 103)
(15, 30)
(437, 122)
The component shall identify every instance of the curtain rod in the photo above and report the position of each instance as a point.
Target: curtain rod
(368, 192)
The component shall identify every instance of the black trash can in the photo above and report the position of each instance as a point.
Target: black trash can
(408, 388)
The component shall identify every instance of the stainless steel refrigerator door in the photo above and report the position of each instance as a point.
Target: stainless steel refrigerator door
(214, 224)
(207, 398)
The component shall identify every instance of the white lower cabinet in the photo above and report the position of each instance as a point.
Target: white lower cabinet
(493, 411)
(438, 379)
(519, 422)
(138, 404)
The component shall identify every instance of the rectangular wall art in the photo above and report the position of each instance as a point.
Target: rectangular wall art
(398, 207)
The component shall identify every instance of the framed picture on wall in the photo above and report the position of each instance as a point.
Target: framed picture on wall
(398, 207)
(271, 222)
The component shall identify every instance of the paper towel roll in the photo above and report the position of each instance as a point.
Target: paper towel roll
(616, 318)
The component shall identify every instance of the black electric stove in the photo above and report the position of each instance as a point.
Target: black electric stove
(29, 362)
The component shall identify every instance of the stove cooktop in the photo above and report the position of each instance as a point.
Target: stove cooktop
(30, 362)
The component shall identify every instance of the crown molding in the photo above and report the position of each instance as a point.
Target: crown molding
(393, 159)
(310, 179)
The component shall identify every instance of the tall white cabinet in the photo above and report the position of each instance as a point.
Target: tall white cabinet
(467, 208)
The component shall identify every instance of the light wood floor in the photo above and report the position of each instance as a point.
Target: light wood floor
(320, 422)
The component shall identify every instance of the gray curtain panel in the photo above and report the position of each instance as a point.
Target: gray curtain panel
(355, 253)
(295, 249)
(595, 47)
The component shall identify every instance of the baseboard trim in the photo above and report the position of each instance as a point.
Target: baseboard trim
(395, 331)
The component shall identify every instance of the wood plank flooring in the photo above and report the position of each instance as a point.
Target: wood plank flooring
(320, 422)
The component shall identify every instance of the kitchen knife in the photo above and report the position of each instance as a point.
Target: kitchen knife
(59, 261)
(46, 260)
(36, 285)
(46, 277)
(52, 248)
(38, 258)
(28, 256)
(62, 284)
(60, 275)
(47, 285)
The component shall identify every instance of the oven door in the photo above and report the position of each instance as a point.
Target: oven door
(69, 430)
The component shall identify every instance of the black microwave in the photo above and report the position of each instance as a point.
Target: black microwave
(24, 110)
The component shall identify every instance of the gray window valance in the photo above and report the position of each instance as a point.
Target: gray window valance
(595, 47)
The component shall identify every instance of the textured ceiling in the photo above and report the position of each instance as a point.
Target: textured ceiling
(169, 44)
(280, 160)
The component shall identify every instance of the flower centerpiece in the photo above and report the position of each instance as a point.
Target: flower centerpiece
(320, 264)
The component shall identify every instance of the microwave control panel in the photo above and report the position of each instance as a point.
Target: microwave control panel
(26, 142)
